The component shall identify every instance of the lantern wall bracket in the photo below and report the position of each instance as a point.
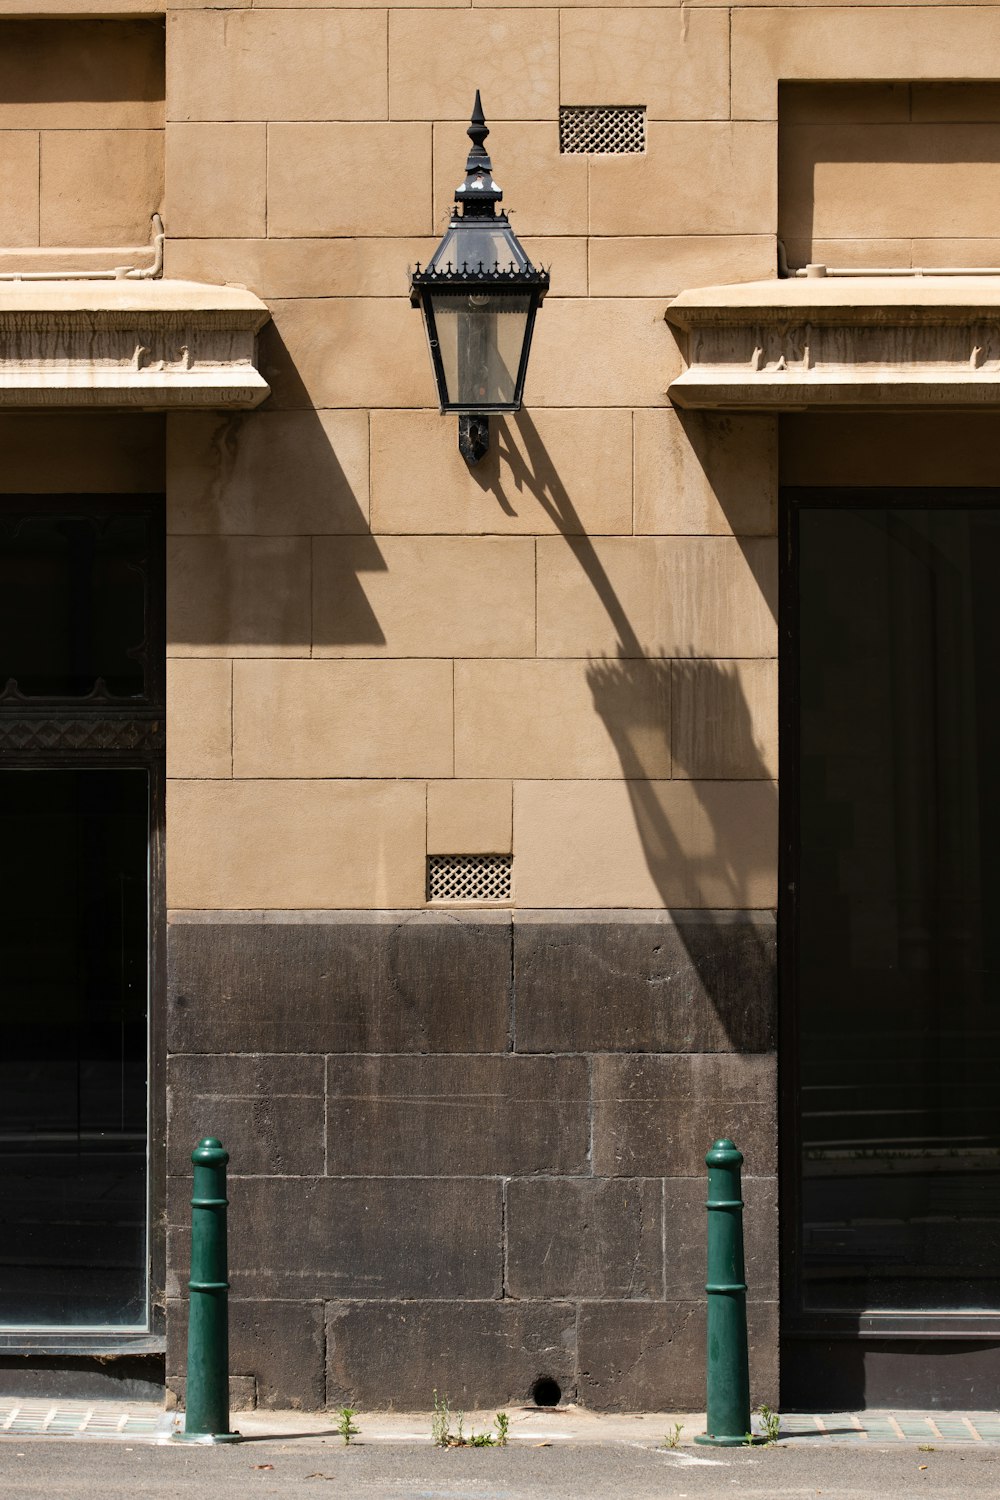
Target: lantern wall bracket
(473, 436)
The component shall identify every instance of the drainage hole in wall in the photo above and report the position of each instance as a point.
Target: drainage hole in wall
(546, 1391)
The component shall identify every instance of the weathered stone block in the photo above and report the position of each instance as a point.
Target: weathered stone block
(267, 1111)
(624, 981)
(685, 1230)
(469, 817)
(349, 982)
(640, 843)
(656, 1115)
(277, 473)
(585, 1238)
(351, 1237)
(636, 1356)
(494, 1116)
(343, 718)
(305, 844)
(238, 595)
(200, 715)
(424, 596)
(277, 1348)
(479, 1354)
(538, 719)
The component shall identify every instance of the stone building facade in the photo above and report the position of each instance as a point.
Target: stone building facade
(467, 1135)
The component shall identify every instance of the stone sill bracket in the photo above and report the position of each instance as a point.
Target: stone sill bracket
(146, 345)
(840, 345)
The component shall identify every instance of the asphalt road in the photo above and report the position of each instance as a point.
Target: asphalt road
(311, 1470)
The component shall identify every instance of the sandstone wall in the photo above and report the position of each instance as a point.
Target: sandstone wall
(467, 1145)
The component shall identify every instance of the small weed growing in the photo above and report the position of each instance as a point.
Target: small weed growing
(345, 1423)
(673, 1439)
(770, 1427)
(443, 1436)
(926, 1448)
(441, 1422)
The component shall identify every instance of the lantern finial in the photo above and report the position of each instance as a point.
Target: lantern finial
(478, 193)
(478, 129)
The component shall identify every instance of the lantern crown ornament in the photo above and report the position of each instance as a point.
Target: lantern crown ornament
(479, 293)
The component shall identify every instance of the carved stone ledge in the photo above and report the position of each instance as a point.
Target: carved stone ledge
(149, 345)
(840, 344)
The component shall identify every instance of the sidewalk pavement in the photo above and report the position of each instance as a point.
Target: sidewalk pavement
(80, 1451)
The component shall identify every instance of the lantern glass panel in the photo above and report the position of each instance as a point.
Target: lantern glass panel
(480, 338)
(474, 243)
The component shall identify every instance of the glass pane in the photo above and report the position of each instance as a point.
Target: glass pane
(481, 335)
(73, 1003)
(899, 883)
(486, 243)
(73, 604)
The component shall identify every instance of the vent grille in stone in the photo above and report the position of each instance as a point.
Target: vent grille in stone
(468, 877)
(602, 129)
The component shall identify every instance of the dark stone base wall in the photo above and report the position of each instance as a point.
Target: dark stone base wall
(467, 1148)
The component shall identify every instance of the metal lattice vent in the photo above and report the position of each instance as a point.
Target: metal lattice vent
(468, 877)
(602, 129)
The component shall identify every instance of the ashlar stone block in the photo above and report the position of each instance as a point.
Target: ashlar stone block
(238, 596)
(276, 65)
(527, 719)
(392, 1237)
(216, 179)
(641, 843)
(660, 1114)
(517, 64)
(319, 352)
(277, 473)
(662, 192)
(295, 844)
(340, 982)
(663, 265)
(585, 1237)
(674, 60)
(19, 187)
(268, 1111)
(670, 596)
(703, 472)
(275, 1348)
(634, 981)
(725, 719)
(469, 817)
(479, 1353)
(200, 715)
(99, 187)
(546, 471)
(457, 1116)
(320, 180)
(424, 596)
(342, 718)
(856, 43)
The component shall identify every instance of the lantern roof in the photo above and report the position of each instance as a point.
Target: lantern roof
(479, 246)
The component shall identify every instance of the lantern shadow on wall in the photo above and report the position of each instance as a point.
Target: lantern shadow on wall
(478, 293)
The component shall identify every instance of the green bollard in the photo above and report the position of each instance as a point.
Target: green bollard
(207, 1391)
(727, 1366)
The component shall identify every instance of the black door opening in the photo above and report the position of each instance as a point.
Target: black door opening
(81, 771)
(890, 964)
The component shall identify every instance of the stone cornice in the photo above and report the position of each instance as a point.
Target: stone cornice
(829, 343)
(149, 345)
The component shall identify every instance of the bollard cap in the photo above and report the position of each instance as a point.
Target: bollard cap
(724, 1153)
(209, 1153)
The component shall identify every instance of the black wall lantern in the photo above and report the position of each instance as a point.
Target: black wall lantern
(479, 294)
